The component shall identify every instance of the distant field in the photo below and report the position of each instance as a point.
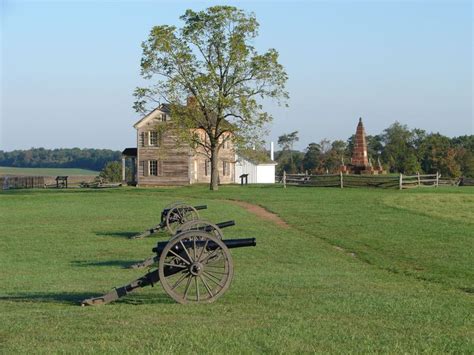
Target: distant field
(357, 271)
(45, 171)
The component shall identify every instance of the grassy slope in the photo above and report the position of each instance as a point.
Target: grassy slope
(45, 171)
(294, 292)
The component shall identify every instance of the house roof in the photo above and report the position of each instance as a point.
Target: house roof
(257, 157)
(130, 152)
(163, 108)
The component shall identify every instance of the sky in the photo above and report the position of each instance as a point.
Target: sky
(68, 68)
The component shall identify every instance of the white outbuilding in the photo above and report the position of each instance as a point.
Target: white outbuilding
(260, 169)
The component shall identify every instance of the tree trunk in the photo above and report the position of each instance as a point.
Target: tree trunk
(214, 170)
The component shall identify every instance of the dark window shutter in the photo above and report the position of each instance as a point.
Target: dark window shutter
(145, 168)
(146, 139)
(160, 168)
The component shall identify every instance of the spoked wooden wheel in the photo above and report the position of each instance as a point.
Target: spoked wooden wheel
(168, 207)
(201, 225)
(195, 267)
(179, 215)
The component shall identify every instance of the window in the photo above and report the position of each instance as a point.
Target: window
(225, 145)
(225, 168)
(153, 167)
(142, 139)
(154, 138)
(163, 117)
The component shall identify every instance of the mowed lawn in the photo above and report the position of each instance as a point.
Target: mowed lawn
(358, 270)
(4, 170)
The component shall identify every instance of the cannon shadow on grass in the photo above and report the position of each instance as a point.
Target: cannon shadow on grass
(75, 298)
(115, 263)
(126, 235)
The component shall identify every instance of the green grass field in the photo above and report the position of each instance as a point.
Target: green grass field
(45, 171)
(358, 271)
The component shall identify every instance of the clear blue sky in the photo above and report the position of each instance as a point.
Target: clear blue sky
(68, 69)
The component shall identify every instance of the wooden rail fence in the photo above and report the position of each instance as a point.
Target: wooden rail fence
(379, 181)
(34, 182)
(21, 182)
(418, 180)
(466, 182)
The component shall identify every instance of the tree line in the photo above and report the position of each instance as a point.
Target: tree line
(92, 159)
(398, 149)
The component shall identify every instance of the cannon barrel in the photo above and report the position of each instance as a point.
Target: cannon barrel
(210, 228)
(226, 224)
(200, 207)
(240, 243)
(230, 243)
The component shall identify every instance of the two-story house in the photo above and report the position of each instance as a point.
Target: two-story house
(160, 159)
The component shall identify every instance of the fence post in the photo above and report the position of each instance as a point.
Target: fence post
(341, 180)
(437, 179)
(418, 175)
(284, 179)
(401, 181)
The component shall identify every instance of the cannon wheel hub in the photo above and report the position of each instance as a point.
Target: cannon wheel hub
(196, 269)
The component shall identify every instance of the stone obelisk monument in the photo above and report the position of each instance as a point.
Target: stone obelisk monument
(360, 158)
(360, 163)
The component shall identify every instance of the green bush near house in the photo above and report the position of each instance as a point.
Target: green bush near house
(112, 172)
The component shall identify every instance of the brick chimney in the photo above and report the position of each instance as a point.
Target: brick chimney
(191, 101)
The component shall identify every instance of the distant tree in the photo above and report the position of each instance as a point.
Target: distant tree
(93, 159)
(438, 155)
(451, 166)
(339, 148)
(374, 147)
(211, 62)
(112, 172)
(288, 157)
(335, 156)
(287, 141)
(464, 141)
(290, 161)
(419, 135)
(325, 147)
(399, 151)
(312, 158)
(465, 159)
(464, 146)
(350, 146)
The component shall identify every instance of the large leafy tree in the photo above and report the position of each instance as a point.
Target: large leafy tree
(212, 61)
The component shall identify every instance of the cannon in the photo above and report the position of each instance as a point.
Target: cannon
(198, 224)
(172, 217)
(194, 267)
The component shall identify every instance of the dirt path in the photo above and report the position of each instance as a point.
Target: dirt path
(261, 213)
